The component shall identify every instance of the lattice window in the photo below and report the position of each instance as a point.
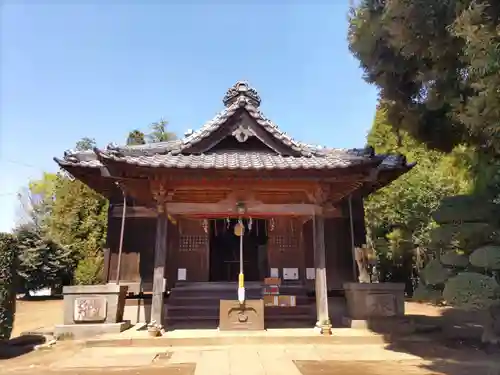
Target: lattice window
(190, 243)
(284, 242)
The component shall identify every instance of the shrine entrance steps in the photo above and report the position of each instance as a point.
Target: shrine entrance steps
(196, 305)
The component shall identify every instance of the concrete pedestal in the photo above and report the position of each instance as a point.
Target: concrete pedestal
(92, 309)
(367, 300)
(235, 317)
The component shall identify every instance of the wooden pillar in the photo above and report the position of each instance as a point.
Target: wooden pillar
(160, 256)
(106, 265)
(323, 318)
(157, 304)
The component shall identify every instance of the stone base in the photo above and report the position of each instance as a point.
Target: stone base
(234, 317)
(366, 300)
(91, 304)
(355, 323)
(81, 331)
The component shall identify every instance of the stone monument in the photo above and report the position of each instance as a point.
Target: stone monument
(367, 300)
(92, 309)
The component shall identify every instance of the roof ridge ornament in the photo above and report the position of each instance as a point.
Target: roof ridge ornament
(241, 89)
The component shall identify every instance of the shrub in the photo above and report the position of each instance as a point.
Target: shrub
(7, 287)
(467, 272)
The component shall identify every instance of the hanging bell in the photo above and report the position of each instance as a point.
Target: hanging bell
(239, 229)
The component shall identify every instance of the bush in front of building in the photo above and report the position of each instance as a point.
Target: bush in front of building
(466, 270)
(7, 284)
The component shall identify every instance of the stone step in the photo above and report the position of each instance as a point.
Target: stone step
(222, 290)
(268, 318)
(215, 300)
(180, 311)
(205, 338)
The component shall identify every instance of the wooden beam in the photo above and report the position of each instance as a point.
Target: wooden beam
(256, 208)
(323, 318)
(139, 211)
(215, 209)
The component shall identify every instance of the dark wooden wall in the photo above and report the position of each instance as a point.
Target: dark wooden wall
(192, 250)
(285, 245)
(290, 245)
(138, 248)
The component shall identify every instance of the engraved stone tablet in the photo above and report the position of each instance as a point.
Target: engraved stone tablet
(90, 309)
(381, 304)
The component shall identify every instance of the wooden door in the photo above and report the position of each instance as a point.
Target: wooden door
(284, 245)
(192, 251)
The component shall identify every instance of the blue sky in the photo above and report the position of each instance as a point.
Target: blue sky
(71, 69)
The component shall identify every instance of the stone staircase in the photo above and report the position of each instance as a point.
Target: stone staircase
(196, 305)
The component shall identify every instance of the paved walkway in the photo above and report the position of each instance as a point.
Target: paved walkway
(235, 360)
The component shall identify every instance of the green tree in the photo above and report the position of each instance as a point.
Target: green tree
(136, 137)
(36, 201)
(437, 64)
(7, 284)
(85, 144)
(79, 223)
(159, 132)
(398, 217)
(42, 262)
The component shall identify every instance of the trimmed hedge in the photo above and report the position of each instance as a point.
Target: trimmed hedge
(7, 288)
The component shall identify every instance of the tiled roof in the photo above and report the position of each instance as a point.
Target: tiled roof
(173, 154)
(240, 160)
(226, 160)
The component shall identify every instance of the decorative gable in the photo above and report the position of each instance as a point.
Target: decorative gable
(243, 121)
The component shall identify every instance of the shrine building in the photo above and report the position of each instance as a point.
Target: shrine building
(301, 207)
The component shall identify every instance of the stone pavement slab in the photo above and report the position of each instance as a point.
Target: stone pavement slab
(246, 360)
(229, 360)
(213, 362)
(113, 357)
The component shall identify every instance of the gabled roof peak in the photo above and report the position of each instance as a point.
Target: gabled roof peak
(241, 89)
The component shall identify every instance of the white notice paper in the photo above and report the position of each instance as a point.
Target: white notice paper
(181, 274)
(310, 273)
(274, 272)
(290, 273)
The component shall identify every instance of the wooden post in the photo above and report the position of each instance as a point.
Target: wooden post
(323, 318)
(157, 304)
(106, 265)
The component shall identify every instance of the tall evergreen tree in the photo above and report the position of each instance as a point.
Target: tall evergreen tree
(437, 64)
(42, 262)
(79, 222)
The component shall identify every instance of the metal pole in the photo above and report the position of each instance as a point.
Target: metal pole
(315, 252)
(241, 249)
(241, 277)
(353, 250)
(122, 231)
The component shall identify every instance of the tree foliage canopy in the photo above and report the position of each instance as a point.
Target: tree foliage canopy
(136, 137)
(437, 64)
(42, 262)
(407, 203)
